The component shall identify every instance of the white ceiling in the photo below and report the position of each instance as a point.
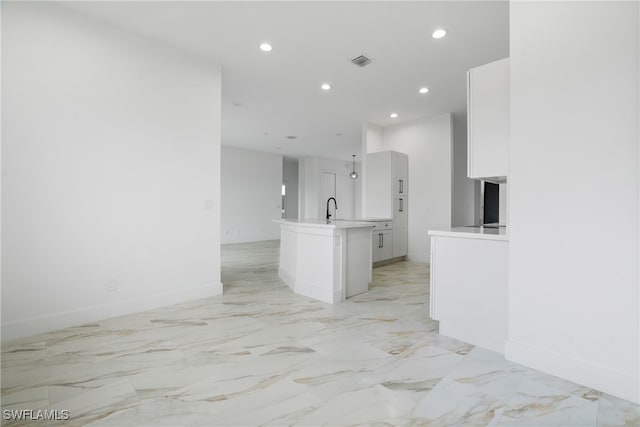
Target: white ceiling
(279, 93)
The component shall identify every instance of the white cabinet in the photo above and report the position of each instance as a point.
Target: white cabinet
(488, 121)
(387, 191)
(469, 282)
(381, 245)
(387, 178)
(380, 225)
(400, 173)
(400, 226)
(381, 240)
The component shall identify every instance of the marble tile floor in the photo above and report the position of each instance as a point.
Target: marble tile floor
(261, 355)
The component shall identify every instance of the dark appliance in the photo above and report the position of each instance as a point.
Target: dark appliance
(491, 203)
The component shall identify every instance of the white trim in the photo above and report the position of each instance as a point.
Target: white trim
(602, 378)
(432, 280)
(65, 319)
(422, 257)
(316, 292)
(287, 278)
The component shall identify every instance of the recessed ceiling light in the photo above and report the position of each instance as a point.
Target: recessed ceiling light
(266, 47)
(439, 33)
(393, 115)
(325, 86)
(423, 90)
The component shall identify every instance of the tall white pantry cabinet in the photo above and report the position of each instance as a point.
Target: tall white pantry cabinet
(388, 195)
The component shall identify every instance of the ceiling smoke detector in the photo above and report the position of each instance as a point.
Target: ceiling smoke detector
(361, 61)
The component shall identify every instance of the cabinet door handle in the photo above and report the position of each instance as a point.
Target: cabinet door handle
(401, 186)
(401, 206)
(379, 240)
(382, 235)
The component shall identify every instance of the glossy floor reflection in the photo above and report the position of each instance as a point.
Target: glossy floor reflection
(261, 355)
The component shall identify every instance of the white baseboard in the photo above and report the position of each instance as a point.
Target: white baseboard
(422, 257)
(602, 378)
(52, 322)
(227, 239)
(287, 278)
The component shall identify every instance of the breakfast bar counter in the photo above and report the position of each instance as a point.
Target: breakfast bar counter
(469, 284)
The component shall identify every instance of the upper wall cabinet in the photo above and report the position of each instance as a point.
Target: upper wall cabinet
(488, 121)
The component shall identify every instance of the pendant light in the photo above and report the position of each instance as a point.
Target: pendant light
(354, 174)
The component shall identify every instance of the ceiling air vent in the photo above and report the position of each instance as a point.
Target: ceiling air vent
(361, 61)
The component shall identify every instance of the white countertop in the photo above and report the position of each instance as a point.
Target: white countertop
(323, 223)
(366, 219)
(486, 233)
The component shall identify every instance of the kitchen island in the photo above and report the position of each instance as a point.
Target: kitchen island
(468, 284)
(325, 260)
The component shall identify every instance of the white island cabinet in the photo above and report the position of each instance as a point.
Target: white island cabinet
(325, 260)
(469, 278)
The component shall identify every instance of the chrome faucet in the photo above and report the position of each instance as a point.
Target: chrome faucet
(334, 203)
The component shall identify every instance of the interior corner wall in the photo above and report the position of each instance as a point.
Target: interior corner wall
(290, 180)
(308, 187)
(372, 141)
(428, 143)
(465, 203)
(251, 195)
(375, 138)
(357, 188)
(574, 297)
(347, 189)
(503, 204)
(110, 171)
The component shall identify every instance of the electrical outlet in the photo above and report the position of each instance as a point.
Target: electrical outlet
(112, 286)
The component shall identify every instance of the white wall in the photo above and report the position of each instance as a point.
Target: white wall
(251, 195)
(465, 197)
(309, 187)
(110, 171)
(310, 203)
(290, 179)
(428, 142)
(503, 204)
(574, 187)
(372, 142)
(374, 137)
(358, 193)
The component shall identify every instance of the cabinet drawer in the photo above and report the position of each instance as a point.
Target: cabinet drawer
(387, 225)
